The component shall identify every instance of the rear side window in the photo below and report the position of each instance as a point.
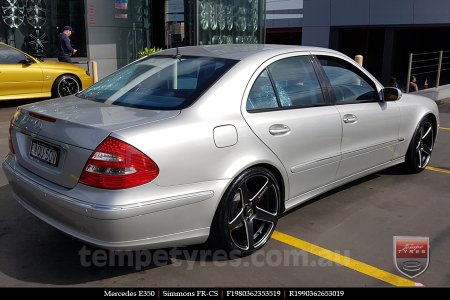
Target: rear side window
(159, 82)
(262, 95)
(349, 84)
(296, 82)
(287, 83)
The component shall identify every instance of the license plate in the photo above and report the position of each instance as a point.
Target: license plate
(44, 152)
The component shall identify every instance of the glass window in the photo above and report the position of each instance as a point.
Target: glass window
(262, 95)
(33, 25)
(296, 82)
(350, 85)
(159, 82)
(225, 22)
(10, 56)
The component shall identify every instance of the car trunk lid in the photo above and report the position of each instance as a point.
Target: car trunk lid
(55, 138)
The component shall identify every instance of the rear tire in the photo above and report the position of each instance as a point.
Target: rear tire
(65, 85)
(420, 148)
(248, 213)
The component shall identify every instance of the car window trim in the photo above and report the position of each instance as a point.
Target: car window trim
(323, 81)
(272, 82)
(283, 108)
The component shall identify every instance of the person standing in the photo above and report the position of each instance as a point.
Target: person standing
(65, 49)
(413, 87)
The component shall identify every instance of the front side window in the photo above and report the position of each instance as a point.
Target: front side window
(159, 82)
(349, 84)
(10, 56)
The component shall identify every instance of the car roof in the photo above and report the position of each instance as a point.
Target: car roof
(240, 51)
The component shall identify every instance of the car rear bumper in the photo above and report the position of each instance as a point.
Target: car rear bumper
(173, 221)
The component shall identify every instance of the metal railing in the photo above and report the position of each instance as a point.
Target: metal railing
(432, 63)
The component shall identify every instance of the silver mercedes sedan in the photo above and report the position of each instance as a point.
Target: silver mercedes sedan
(212, 141)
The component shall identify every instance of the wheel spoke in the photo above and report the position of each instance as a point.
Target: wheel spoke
(67, 86)
(426, 133)
(260, 194)
(249, 233)
(265, 216)
(236, 222)
(427, 150)
(420, 158)
(253, 212)
(243, 190)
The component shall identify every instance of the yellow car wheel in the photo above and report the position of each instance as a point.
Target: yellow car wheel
(65, 85)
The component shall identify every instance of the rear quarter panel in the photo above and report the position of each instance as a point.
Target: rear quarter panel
(184, 147)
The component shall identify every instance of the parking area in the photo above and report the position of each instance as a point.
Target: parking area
(342, 238)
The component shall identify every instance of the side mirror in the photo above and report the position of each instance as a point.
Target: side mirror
(391, 94)
(26, 61)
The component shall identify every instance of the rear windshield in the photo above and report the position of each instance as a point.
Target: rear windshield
(159, 82)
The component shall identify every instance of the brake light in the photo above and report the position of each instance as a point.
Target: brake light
(11, 147)
(117, 165)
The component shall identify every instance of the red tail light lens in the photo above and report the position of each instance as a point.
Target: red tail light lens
(11, 147)
(117, 165)
(43, 118)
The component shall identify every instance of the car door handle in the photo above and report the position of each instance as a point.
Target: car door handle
(279, 129)
(349, 119)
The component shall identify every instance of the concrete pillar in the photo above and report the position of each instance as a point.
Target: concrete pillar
(359, 59)
(388, 53)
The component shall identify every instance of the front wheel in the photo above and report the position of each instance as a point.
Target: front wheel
(65, 85)
(248, 212)
(421, 147)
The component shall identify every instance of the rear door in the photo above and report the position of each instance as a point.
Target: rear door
(286, 109)
(370, 126)
(17, 77)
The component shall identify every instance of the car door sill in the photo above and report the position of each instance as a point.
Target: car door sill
(320, 190)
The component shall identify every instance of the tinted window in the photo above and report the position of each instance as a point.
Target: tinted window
(296, 82)
(262, 95)
(11, 56)
(159, 82)
(350, 85)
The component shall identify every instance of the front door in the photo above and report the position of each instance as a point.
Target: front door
(370, 126)
(17, 76)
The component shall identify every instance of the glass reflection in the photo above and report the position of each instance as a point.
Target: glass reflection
(230, 21)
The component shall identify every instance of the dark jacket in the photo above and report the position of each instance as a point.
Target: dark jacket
(64, 46)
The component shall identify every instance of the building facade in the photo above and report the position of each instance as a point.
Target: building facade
(34, 24)
(112, 32)
(385, 32)
(284, 21)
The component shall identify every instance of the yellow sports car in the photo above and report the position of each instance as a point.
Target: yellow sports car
(23, 76)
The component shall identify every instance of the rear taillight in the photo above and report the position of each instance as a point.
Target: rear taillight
(117, 165)
(11, 147)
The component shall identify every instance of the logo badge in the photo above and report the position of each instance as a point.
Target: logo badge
(411, 254)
